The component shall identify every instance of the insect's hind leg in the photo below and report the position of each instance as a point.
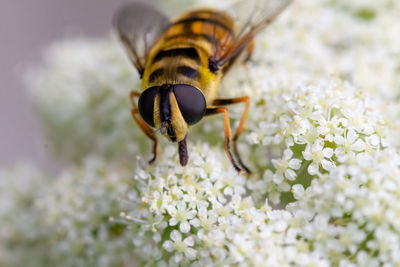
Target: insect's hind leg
(249, 50)
(143, 125)
(224, 102)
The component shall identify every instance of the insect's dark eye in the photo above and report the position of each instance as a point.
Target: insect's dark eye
(146, 105)
(191, 102)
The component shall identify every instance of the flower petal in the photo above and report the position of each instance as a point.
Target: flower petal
(359, 145)
(184, 227)
(168, 246)
(190, 253)
(173, 221)
(190, 214)
(298, 191)
(287, 154)
(177, 257)
(171, 210)
(189, 241)
(338, 139)
(195, 222)
(307, 153)
(290, 174)
(175, 235)
(327, 165)
(181, 205)
(295, 164)
(373, 140)
(313, 168)
(328, 152)
(351, 136)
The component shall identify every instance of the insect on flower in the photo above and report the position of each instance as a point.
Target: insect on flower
(182, 61)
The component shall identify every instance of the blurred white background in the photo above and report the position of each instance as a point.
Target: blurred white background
(27, 27)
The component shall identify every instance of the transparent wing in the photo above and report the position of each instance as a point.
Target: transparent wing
(139, 25)
(250, 17)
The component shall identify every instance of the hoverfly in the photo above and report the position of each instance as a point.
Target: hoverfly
(182, 61)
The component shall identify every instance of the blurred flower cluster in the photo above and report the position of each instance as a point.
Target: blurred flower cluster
(22, 237)
(83, 92)
(65, 221)
(321, 137)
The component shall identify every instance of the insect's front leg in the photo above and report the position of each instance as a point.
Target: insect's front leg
(227, 131)
(224, 102)
(143, 125)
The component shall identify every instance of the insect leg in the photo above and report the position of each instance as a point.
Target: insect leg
(223, 102)
(250, 49)
(143, 125)
(227, 131)
(132, 95)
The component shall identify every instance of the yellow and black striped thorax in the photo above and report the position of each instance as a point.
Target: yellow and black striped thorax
(181, 54)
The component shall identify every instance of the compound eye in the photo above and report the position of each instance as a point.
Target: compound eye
(146, 105)
(191, 102)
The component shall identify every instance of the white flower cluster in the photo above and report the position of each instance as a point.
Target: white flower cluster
(22, 237)
(351, 215)
(202, 216)
(338, 170)
(318, 127)
(321, 137)
(353, 40)
(79, 212)
(65, 221)
(336, 166)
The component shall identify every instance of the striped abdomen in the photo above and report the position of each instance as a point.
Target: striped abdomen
(181, 53)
